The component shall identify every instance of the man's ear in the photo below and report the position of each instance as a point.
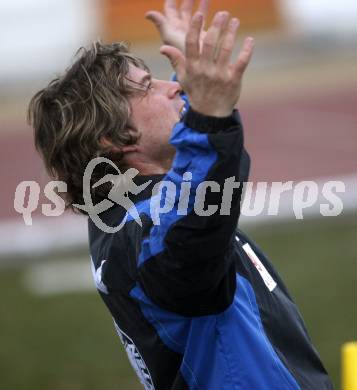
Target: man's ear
(115, 149)
(130, 148)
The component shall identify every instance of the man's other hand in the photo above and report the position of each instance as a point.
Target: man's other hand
(174, 23)
(211, 82)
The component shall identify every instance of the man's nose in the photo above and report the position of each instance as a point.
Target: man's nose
(173, 89)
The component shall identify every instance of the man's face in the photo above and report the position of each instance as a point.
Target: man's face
(154, 114)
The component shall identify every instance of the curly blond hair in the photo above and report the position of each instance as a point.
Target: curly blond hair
(78, 110)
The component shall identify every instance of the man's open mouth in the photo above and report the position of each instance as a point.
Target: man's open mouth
(182, 111)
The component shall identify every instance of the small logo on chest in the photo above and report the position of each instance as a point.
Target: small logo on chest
(265, 275)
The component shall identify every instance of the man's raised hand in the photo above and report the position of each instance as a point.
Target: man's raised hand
(174, 22)
(206, 74)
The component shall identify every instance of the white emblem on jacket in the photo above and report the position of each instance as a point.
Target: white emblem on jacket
(267, 278)
(97, 276)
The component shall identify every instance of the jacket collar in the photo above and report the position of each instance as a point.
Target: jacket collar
(147, 192)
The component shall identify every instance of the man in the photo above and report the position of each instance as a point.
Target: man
(196, 304)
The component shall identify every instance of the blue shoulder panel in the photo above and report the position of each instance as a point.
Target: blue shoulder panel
(194, 154)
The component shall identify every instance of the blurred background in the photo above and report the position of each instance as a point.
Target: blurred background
(299, 111)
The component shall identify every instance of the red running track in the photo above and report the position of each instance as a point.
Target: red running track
(289, 139)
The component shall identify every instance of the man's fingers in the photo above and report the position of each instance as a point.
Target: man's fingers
(227, 44)
(204, 7)
(186, 9)
(213, 35)
(156, 17)
(176, 58)
(244, 57)
(192, 44)
(170, 8)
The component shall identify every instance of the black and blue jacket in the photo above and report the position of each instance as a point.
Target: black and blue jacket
(196, 304)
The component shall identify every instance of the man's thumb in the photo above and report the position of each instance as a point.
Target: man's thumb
(156, 17)
(176, 58)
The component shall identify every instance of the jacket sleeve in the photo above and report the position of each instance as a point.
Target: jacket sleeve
(186, 263)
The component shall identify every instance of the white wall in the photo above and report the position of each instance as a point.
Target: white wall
(39, 37)
(321, 16)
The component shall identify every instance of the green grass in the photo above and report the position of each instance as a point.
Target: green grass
(67, 342)
(63, 342)
(318, 262)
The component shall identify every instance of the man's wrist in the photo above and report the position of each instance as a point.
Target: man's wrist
(213, 113)
(209, 123)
